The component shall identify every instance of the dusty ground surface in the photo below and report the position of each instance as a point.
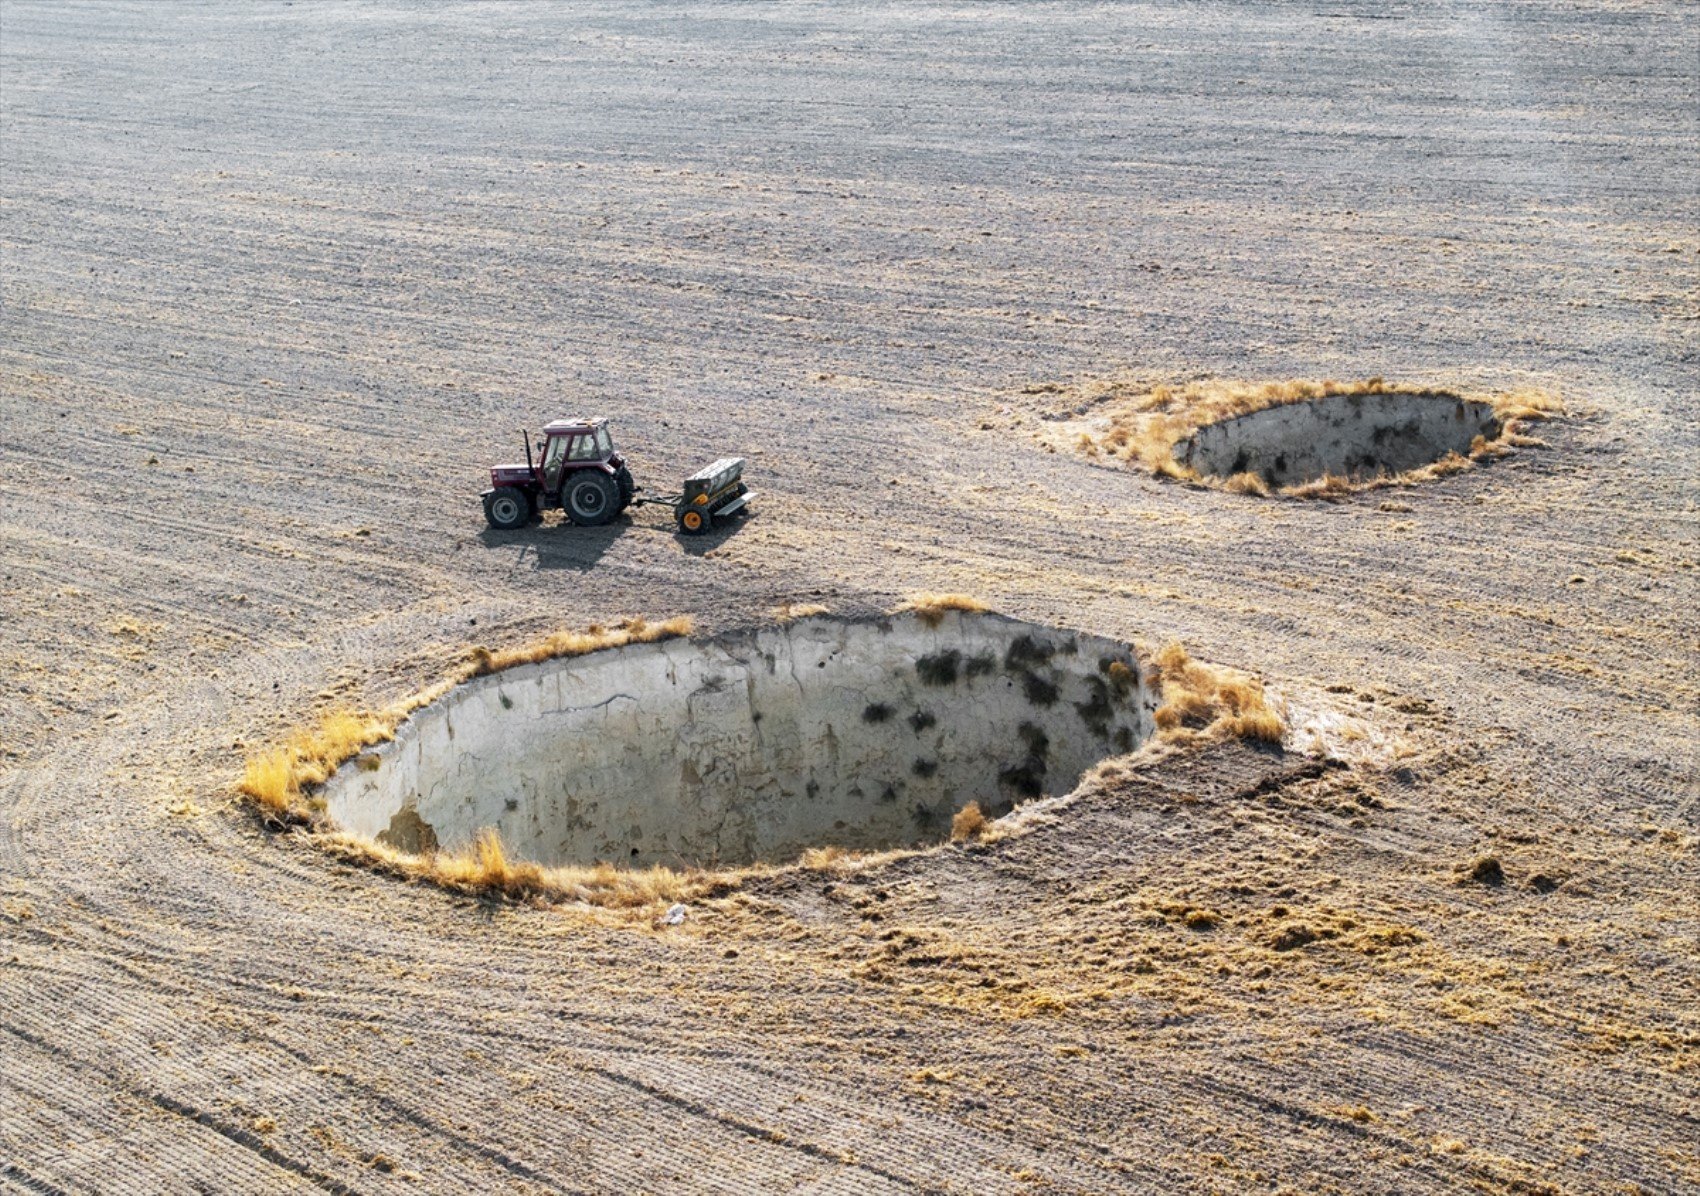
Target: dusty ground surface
(279, 280)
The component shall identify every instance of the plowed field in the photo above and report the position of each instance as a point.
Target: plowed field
(282, 280)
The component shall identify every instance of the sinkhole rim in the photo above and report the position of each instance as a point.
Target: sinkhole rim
(1261, 469)
(1056, 701)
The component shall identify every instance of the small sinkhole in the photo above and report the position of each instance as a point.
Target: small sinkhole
(1354, 435)
(753, 747)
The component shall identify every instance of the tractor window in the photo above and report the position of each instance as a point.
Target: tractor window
(552, 458)
(585, 449)
(604, 442)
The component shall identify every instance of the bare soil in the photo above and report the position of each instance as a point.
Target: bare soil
(280, 281)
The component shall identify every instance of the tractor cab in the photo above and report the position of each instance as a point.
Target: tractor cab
(570, 443)
(576, 468)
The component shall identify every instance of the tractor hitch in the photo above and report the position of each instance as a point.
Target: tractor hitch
(713, 492)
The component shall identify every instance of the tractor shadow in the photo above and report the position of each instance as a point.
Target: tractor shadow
(579, 549)
(559, 545)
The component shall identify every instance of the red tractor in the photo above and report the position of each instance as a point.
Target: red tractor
(581, 473)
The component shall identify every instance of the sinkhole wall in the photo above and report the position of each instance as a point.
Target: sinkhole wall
(863, 734)
(1351, 435)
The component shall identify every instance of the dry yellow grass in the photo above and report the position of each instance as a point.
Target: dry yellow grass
(1522, 406)
(578, 643)
(968, 824)
(1200, 700)
(485, 868)
(836, 860)
(277, 779)
(932, 608)
(1329, 485)
(269, 779)
(824, 859)
(786, 612)
(1145, 425)
(1450, 464)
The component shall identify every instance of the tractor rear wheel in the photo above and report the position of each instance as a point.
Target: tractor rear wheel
(628, 487)
(694, 521)
(506, 508)
(592, 498)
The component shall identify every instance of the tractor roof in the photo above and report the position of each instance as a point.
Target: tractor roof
(572, 425)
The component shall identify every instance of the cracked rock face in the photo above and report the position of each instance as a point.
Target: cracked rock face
(753, 747)
(1349, 435)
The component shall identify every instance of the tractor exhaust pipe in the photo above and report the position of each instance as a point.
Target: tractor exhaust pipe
(529, 464)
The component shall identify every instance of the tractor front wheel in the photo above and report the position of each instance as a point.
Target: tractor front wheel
(694, 521)
(507, 508)
(592, 498)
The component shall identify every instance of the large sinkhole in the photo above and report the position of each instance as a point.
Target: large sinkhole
(1357, 436)
(864, 734)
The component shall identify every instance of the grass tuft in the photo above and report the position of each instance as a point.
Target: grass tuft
(278, 779)
(269, 780)
(1329, 485)
(932, 608)
(1200, 700)
(1485, 870)
(825, 859)
(969, 823)
(484, 868)
(577, 643)
(787, 612)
